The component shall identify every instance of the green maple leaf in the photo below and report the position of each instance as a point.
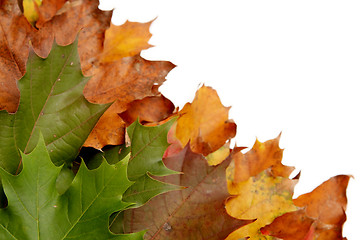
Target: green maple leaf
(37, 211)
(148, 145)
(146, 151)
(52, 102)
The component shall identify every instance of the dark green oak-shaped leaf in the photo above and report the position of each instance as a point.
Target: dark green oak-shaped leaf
(148, 145)
(51, 101)
(37, 211)
(197, 212)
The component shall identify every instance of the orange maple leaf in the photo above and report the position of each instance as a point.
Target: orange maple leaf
(122, 81)
(148, 110)
(204, 123)
(321, 216)
(125, 40)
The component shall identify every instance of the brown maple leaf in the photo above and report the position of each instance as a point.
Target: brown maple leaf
(321, 216)
(148, 110)
(194, 213)
(122, 81)
(47, 10)
(59, 20)
(79, 17)
(204, 123)
(14, 50)
(261, 157)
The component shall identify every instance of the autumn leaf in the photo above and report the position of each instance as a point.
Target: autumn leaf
(37, 211)
(126, 40)
(14, 50)
(146, 162)
(261, 157)
(291, 226)
(121, 82)
(148, 110)
(267, 198)
(175, 145)
(81, 18)
(268, 193)
(51, 101)
(47, 10)
(322, 213)
(194, 213)
(178, 178)
(329, 210)
(204, 123)
(146, 150)
(30, 10)
(219, 156)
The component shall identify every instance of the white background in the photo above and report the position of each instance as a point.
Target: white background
(290, 66)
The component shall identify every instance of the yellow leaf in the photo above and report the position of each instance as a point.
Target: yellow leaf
(263, 197)
(30, 11)
(204, 123)
(125, 40)
(218, 156)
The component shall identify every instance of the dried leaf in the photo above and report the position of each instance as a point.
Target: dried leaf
(47, 10)
(125, 40)
(261, 157)
(291, 226)
(321, 217)
(259, 192)
(263, 197)
(79, 17)
(148, 110)
(219, 156)
(30, 10)
(109, 130)
(204, 123)
(330, 209)
(194, 213)
(122, 81)
(14, 50)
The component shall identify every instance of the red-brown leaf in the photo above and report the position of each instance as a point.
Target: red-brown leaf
(194, 213)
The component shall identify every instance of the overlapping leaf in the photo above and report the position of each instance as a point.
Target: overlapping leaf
(146, 159)
(147, 146)
(14, 49)
(204, 123)
(149, 110)
(37, 211)
(51, 101)
(125, 40)
(30, 10)
(122, 81)
(194, 213)
(261, 190)
(57, 20)
(320, 217)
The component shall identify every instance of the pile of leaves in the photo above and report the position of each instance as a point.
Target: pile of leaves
(90, 149)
